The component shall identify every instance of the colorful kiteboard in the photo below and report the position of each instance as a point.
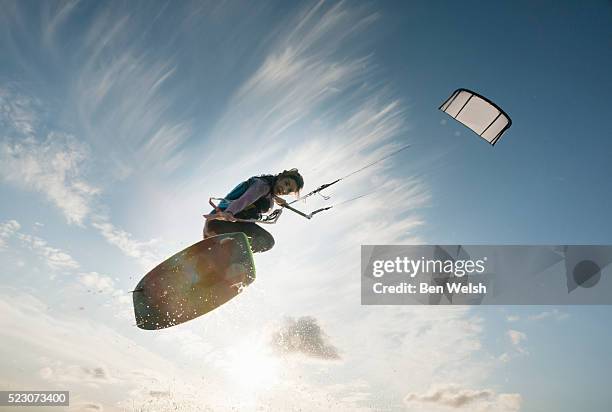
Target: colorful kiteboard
(194, 281)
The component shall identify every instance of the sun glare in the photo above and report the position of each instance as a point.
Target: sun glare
(252, 366)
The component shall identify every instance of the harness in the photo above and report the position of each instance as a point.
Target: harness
(256, 209)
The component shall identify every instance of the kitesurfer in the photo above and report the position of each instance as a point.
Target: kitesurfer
(249, 201)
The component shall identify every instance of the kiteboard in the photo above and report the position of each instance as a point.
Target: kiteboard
(194, 281)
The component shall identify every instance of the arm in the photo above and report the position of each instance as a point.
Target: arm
(280, 201)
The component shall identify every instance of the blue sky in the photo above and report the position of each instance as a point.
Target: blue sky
(119, 119)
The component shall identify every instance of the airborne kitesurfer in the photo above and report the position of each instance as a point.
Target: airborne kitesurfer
(249, 201)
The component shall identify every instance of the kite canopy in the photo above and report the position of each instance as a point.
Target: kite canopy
(478, 113)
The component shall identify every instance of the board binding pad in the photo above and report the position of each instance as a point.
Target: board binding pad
(194, 281)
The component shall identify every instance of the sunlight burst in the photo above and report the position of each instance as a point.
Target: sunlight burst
(253, 367)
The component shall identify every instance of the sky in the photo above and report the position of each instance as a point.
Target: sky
(118, 120)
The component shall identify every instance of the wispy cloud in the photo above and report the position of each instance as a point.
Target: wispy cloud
(458, 398)
(307, 67)
(554, 314)
(111, 81)
(141, 251)
(123, 98)
(54, 165)
(97, 282)
(17, 114)
(60, 261)
(54, 258)
(51, 167)
(47, 162)
(7, 230)
(58, 14)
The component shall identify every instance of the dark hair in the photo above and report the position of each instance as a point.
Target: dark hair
(293, 174)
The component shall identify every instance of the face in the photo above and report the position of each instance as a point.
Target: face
(285, 186)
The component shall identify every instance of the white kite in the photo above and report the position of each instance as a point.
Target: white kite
(478, 113)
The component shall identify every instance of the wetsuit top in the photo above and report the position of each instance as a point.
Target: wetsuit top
(249, 199)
